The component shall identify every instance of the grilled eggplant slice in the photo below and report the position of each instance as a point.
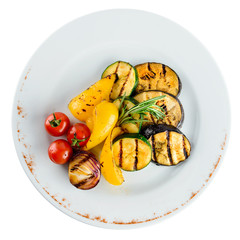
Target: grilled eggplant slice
(169, 145)
(171, 105)
(157, 76)
(128, 103)
(127, 79)
(131, 152)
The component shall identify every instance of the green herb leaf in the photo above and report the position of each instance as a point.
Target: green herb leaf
(135, 121)
(122, 100)
(148, 106)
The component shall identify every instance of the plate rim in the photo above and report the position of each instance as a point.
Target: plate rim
(101, 222)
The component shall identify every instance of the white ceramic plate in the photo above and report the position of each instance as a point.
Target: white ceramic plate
(71, 60)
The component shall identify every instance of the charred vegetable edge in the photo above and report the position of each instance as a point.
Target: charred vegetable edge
(163, 128)
(135, 71)
(182, 110)
(179, 80)
(136, 136)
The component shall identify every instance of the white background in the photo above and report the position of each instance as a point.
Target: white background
(24, 213)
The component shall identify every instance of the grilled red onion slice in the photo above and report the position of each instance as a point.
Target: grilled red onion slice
(84, 170)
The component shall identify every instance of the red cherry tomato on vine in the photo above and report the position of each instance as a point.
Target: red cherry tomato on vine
(57, 124)
(78, 135)
(60, 151)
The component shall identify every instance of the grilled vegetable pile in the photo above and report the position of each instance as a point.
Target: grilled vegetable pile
(131, 116)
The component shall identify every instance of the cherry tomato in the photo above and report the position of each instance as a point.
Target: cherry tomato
(78, 135)
(57, 124)
(60, 151)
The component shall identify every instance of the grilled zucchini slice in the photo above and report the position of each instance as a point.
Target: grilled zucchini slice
(131, 152)
(128, 103)
(127, 79)
(169, 145)
(157, 76)
(171, 105)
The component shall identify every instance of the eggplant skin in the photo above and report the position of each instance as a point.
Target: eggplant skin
(169, 145)
(150, 130)
(158, 76)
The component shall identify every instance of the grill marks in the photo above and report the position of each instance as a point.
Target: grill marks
(120, 153)
(149, 84)
(150, 74)
(146, 77)
(126, 78)
(164, 70)
(85, 158)
(184, 147)
(117, 78)
(169, 143)
(164, 107)
(136, 154)
(117, 67)
(84, 181)
(131, 151)
(157, 76)
(169, 148)
(153, 148)
(153, 75)
(173, 110)
(123, 86)
(84, 170)
(151, 116)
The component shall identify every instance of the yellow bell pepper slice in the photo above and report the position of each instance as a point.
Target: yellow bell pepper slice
(105, 116)
(90, 123)
(97, 150)
(111, 172)
(82, 105)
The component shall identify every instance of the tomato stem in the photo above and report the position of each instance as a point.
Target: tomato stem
(76, 141)
(55, 122)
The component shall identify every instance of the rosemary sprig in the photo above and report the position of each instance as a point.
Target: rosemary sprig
(148, 106)
(122, 100)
